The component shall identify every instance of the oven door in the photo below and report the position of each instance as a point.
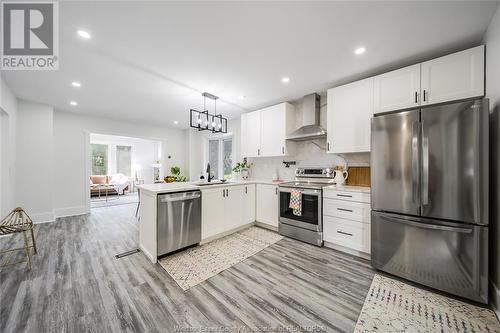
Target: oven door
(311, 209)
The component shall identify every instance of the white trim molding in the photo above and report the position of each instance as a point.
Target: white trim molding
(69, 211)
(43, 217)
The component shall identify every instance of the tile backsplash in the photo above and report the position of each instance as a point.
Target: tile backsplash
(307, 155)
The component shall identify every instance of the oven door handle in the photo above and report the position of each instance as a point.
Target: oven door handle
(303, 191)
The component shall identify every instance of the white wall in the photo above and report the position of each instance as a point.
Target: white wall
(196, 153)
(34, 160)
(72, 132)
(144, 154)
(492, 41)
(8, 103)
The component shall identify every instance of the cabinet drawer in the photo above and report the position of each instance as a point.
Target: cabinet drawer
(347, 195)
(357, 211)
(348, 233)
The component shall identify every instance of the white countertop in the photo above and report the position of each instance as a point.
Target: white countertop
(348, 188)
(167, 187)
(159, 188)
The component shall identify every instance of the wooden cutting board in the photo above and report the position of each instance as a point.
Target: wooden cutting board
(358, 176)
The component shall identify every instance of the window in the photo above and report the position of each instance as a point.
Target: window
(124, 160)
(99, 159)
(220, 157)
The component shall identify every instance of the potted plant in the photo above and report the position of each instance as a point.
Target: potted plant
(242, 169)
(176, 175)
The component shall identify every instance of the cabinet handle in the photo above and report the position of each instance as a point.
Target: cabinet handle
(283, 150)
(328, 146)
(276, 190)
(345, 210)
(424, 95)
(246, 190)
(416, 97)
(344, 233)
(227, 192)
(258, 152)
(344, 195)
(223, 193)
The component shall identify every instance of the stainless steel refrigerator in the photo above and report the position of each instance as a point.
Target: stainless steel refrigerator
(429, 173)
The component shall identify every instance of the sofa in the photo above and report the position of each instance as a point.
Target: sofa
(120, 181)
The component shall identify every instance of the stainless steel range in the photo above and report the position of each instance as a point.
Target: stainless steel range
(308, 225)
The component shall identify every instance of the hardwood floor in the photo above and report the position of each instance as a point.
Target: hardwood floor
(77, 285)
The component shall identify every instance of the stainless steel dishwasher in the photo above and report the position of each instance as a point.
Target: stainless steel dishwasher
(179, 221)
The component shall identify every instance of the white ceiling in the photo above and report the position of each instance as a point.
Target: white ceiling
(149, 61)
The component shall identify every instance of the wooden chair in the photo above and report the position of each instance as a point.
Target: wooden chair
(19, 222)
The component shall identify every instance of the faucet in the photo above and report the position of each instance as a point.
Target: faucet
(209, 177)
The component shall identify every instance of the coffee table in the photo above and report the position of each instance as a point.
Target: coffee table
(106, 188)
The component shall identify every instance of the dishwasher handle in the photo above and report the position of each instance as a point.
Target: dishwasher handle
(180, 197)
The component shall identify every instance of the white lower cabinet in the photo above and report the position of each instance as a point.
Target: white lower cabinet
(226, 208)
(347, 233)
(267, 204)
(346, 219)
(233, 207)
(212, 212)
(249, 204)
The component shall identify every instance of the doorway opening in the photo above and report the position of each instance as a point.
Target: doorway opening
(118, 164)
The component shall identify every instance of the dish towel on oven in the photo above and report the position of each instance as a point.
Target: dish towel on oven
(296, 202)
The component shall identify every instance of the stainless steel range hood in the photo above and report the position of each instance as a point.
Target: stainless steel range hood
(310, 129)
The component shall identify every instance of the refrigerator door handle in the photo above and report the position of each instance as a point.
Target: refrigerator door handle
(429, 226)
(415, 161)
(425, 166)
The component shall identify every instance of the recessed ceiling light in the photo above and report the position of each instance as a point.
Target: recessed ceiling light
(360, 50)
(241, 97)
(76, 84)
(176, 122)
(83, 34)
(285, 79)
(73, 103)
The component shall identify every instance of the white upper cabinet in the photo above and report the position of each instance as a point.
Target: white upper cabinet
(456, 76)
(263, 132)
(250, 134)
(396, 90)
(349, 112)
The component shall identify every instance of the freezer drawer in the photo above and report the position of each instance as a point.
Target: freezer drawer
(450, 257)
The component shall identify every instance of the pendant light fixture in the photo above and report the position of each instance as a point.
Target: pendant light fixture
(204, 121)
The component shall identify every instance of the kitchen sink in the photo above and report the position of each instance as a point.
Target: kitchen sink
(210, 183)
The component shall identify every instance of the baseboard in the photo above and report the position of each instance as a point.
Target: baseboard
(347, 250)
(43, 217)
(226, 233)
(149, 255)
(495, 298)
(266, 226)
(69, 211)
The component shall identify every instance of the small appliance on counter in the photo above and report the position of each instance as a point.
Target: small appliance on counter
(301, 205)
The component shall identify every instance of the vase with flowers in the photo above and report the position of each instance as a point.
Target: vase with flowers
(242, 169)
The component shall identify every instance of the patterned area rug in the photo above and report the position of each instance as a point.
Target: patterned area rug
(394, 306)
(195, 265)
